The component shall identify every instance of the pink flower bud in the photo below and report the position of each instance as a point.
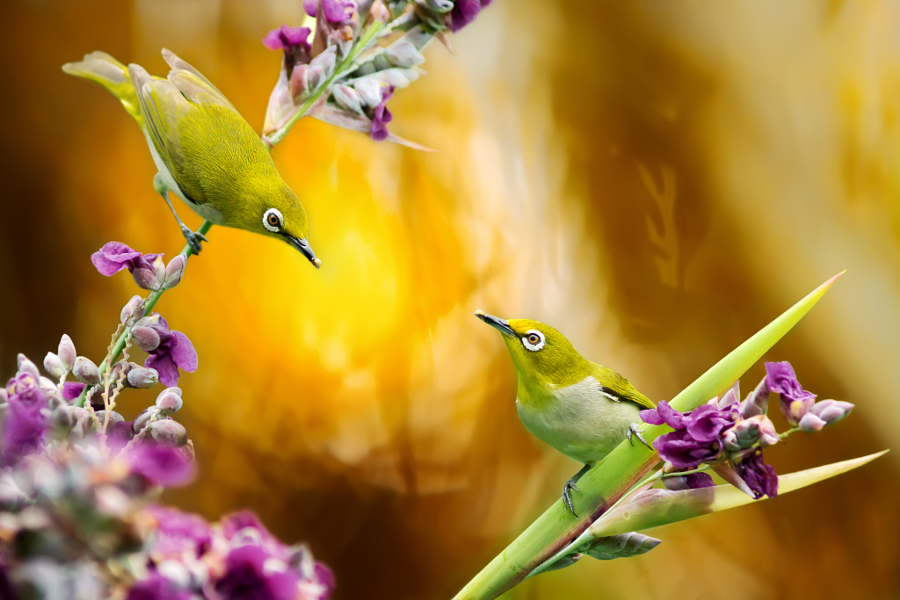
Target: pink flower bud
(174, 271)
(141, 377)
(823, 414)
(132, 310)
(299, 81)
(169, 401)
(168, 432)
(66, 352)
(146, 338)
(86, 371)
(54, 366)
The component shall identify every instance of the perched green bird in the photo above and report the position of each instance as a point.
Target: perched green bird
(204, 150)
(582, 409)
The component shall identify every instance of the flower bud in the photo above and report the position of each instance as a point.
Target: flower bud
(169, 401)
(133, 310)
(48, 388)
(146, 338)
(174, 271)
(824, 413)
(621, 546)
(438, 6)
(146, 279)
(142, 377)
(316, 77)
(325, 61)
(54, 366)
(3, 396)
(114, 418)
(369, 91)
(757, 402)
(28, 367)
(299, 81)
(86, 371)
(403, 53)
(145, 418)
(747, 432)
(167, 432)
(347, 98)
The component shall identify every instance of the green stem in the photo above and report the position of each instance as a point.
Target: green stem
(149, 303)
(367, 39)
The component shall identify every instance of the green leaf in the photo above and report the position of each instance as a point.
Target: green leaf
(656, 507)
(624, 467)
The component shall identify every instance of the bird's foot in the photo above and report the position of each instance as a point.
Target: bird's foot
(193, 238)
(634, 430)
(568, 488)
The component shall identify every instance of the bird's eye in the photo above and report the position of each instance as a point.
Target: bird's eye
(533, 340)
(272, 220)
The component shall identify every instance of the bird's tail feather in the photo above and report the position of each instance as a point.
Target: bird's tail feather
(102, 68)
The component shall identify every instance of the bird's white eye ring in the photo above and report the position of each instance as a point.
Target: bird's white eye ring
(533, 340)
(272, 220)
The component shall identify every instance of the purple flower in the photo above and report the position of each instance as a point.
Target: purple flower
(252, 574)
(160, 465)
(23, 425)
(381, 116)
(285, 38)
(464, 12)
(156, 587)
(22, 431)
(664, 413)
(759, 477)
(696, 436)
(706, 422)
(795, 401)
(178, 532)
(24, 389)
(685, 452)
(174, 350)
(72, 389)
(115, 256)
(119, 435)
(335, 11)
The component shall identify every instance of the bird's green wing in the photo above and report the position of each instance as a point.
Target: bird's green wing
(165, 103)
(618, 389)
(190, 82)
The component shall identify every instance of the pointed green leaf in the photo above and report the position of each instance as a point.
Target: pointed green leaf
(656, 507)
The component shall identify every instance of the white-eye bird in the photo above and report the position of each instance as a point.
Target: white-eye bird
(582, 409)
(204, 150)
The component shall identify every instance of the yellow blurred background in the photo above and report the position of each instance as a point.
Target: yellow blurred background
(656, 180)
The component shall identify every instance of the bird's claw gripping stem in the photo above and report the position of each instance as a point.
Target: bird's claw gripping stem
(635, 431)
(568, 488)
(193, 238)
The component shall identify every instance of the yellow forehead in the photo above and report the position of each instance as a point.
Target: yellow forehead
(523, 326)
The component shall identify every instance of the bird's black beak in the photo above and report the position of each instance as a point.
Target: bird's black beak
(501, 325)
(303, 246)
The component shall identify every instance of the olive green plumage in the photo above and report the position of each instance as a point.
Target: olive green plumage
(205, 152)
(582, 409)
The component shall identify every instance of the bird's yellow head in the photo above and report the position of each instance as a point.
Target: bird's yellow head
(539, 352)
(275, 211)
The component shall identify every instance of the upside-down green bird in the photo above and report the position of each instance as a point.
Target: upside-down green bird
(582, 409)
(204, 150)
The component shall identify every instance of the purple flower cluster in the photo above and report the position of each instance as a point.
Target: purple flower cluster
(149, 271)
(76, 481)
(356, 98)
(169, 350)
(236, 559)
(730, 434)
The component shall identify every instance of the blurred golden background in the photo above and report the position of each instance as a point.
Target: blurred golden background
(657, 180)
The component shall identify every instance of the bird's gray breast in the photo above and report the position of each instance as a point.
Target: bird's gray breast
(579, 420)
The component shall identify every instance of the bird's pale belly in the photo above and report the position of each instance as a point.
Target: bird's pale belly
(578, 420)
